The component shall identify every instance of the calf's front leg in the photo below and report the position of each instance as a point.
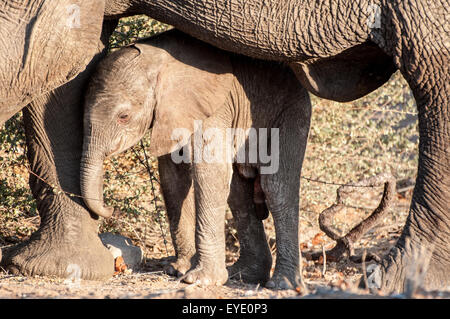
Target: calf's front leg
(211, 188)
(178, 192)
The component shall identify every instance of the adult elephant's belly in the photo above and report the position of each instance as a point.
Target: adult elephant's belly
(44, 44)
(347, 76)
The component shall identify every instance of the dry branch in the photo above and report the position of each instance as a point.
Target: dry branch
(345, 243)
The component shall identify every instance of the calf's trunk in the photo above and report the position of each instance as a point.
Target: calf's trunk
(92, 184)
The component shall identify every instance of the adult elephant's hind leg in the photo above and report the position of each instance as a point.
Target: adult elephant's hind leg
(424, 244)
(419, 42)
(425, 240)
(424, 63)
(255, 259)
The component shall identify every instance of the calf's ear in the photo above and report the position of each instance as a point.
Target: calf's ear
(193, 83)
(347, 76)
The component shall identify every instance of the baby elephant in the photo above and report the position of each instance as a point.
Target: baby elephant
(227, 129)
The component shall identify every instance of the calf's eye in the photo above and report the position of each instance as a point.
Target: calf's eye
(123, 118)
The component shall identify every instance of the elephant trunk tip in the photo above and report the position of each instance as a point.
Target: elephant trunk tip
(105, 211)
(92, 187)
(97, 207)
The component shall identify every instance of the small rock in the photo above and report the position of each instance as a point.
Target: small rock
(116, 252)
(122, 246)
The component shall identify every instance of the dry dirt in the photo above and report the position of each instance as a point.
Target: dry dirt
(148, 283)
(151, 282)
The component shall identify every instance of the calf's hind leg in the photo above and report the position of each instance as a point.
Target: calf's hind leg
(281, 188)
(255, 260)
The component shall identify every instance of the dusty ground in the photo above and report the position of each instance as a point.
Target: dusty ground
(151, 282)
(156, 284)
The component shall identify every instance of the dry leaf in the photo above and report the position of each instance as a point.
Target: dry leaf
(119, 265)
(320, 260)
(318, 240)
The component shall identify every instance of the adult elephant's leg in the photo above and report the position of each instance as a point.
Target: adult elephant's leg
(255, 259)
(426, 236)
(66, 243)
(178, 192)
(424, 63)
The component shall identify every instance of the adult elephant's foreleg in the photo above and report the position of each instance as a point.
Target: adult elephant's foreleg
(66, 243)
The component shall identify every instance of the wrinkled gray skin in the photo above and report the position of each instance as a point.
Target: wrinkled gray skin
(45, 45)
(168, 82)
(333, 49)
(46, 63)
(332, 45)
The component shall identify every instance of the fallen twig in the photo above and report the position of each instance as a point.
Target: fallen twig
(345, 243)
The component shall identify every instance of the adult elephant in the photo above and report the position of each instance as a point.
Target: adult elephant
(48, 51)
(341, 50)
(45, 44)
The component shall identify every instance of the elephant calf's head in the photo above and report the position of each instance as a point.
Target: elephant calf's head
(118, 111)
(166, 82)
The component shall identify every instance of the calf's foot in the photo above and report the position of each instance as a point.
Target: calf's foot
(180, 267)
(203, 274)
(251, 270)
(284, 279)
